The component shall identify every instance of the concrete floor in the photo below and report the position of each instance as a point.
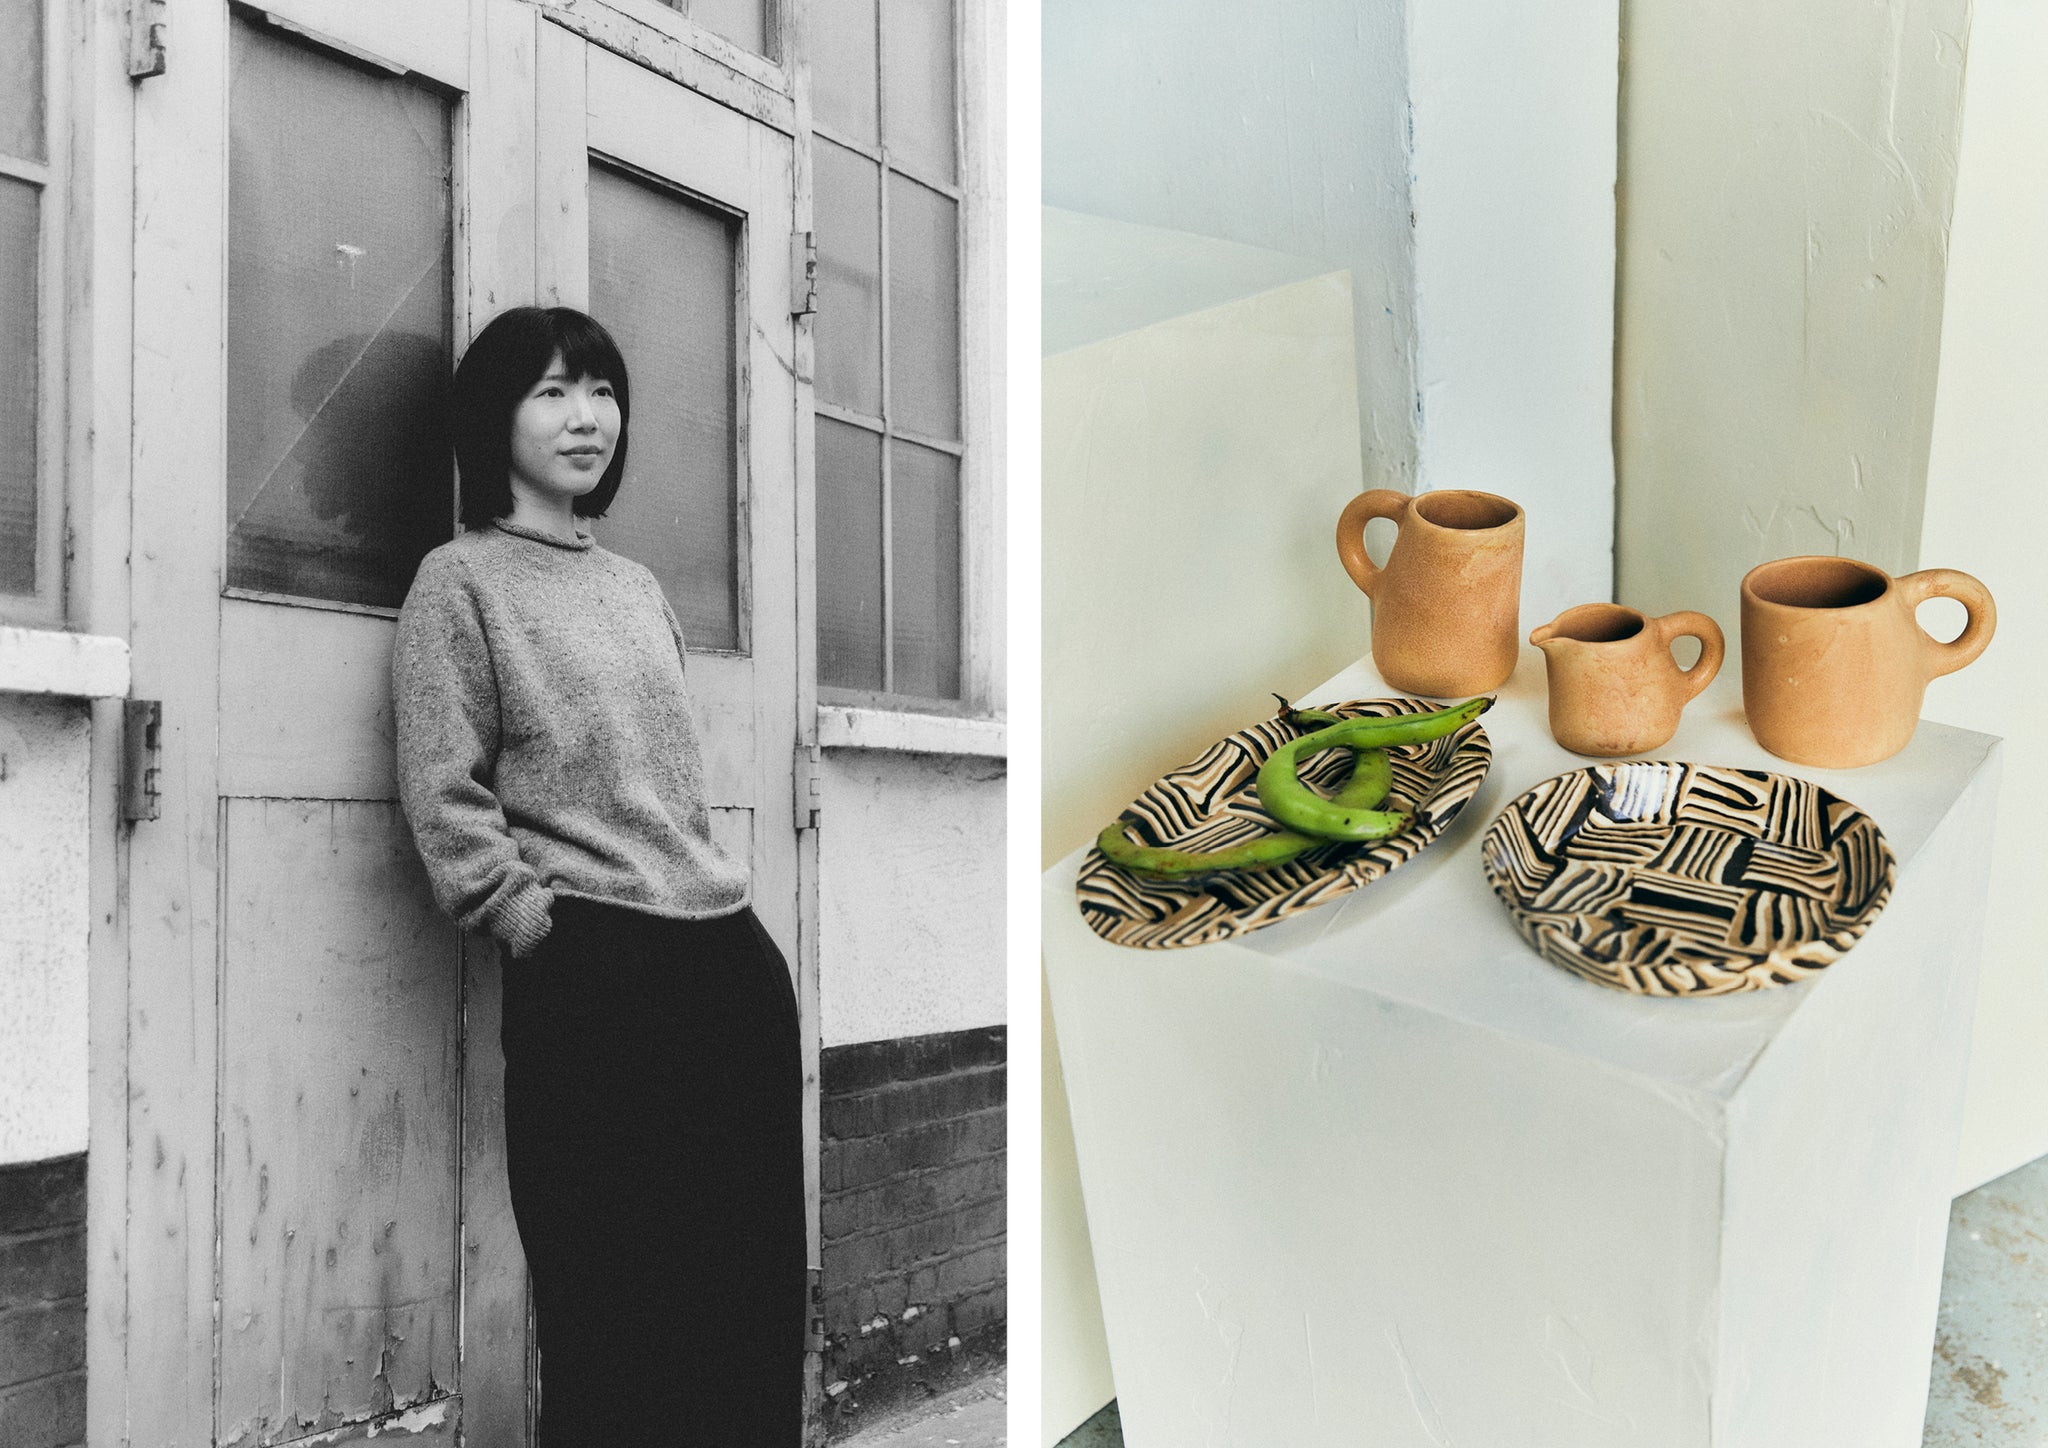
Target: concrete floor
(1989, 1384)
(970, 1416)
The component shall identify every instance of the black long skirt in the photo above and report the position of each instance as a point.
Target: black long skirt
(653, 1138)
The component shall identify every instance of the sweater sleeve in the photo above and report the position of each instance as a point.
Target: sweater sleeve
(445, 697)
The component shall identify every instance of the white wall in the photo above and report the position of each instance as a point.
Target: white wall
(45, 747)
(1513, 158)
(1787, 173)
(1984, 506)
(910, 910)
(1284, 127)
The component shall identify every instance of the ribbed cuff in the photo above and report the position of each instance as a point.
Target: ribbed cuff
(523, 920)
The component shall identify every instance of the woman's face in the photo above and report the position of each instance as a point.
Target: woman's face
(564, 432)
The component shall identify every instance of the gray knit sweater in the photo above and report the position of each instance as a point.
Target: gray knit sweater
(545, 745)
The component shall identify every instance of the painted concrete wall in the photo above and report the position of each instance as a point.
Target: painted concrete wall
(1458, 160)
(910, 910)
(1984, 481)
(1284, 129)
(1786, 180)
(1513, 110)
(45, 746)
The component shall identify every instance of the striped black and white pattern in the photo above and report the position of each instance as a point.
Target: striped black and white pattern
(1680, 879)
(1213, 803)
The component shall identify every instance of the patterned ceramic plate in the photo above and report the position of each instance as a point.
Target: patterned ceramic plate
(1213, 803)
(1683, 879)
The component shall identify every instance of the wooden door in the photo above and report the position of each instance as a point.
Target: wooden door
(329, 196)
(318, 1242)
(319, 1238)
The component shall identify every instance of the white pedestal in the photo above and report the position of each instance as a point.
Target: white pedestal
(1381, 1175)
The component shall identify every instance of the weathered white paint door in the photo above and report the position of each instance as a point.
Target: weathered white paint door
(330, 194)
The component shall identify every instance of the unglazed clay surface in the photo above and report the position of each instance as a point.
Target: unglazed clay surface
(1446, 607)
(1834, 662)
(1614, 686)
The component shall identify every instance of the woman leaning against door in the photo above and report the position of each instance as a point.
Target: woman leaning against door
(552, 776)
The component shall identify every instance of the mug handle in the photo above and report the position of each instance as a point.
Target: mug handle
(1713, 646)
(1946, 658)
(1374, 503)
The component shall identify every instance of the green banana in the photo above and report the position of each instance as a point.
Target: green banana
(1303, 811)
(1372, 775)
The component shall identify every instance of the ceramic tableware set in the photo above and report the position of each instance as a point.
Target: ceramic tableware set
(1659, 877)
(1667, 877)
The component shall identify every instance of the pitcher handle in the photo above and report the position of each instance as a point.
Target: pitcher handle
(1946, 658)
(1713, 646)
(1374, 503)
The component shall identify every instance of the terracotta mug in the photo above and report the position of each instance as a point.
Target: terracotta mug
(1444, 609)
(1614, 687)
(1834, 663)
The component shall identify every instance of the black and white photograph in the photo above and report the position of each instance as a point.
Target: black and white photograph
(502, 722)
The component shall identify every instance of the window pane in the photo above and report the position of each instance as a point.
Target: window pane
(924, 310)
(849, 556)
(843, 66)
(339, 294)
(664, 279)
(743, 22)
(917, 85)
(849, 326)
(924, 540)
(19, 205)
(21, 79)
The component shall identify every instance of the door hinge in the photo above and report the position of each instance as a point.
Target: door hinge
(803, 273)
(814, 1339)
(141, 755)
(805, 773)
(146, 25)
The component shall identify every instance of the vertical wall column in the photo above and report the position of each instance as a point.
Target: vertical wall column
(1512, 111)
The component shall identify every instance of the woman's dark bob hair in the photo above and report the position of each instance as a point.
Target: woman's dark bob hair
(493, 378)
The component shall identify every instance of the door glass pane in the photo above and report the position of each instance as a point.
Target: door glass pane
(843, 66)
(340, 270)
(848, 204)
(924, 310)
(19, 205)
(849, 556)
(917, 85)
(743, 22)
(664, 278)
(924, 545)
(21, 79)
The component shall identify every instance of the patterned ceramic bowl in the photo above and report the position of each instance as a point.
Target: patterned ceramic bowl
(1213, 804)
(1676, 879)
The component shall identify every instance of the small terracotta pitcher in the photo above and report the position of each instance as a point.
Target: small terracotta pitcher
(1445, 619)
(1834, 663)
(1614, 687)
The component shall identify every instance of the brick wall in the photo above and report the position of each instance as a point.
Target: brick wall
(912, 1202)
(42, 1303)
